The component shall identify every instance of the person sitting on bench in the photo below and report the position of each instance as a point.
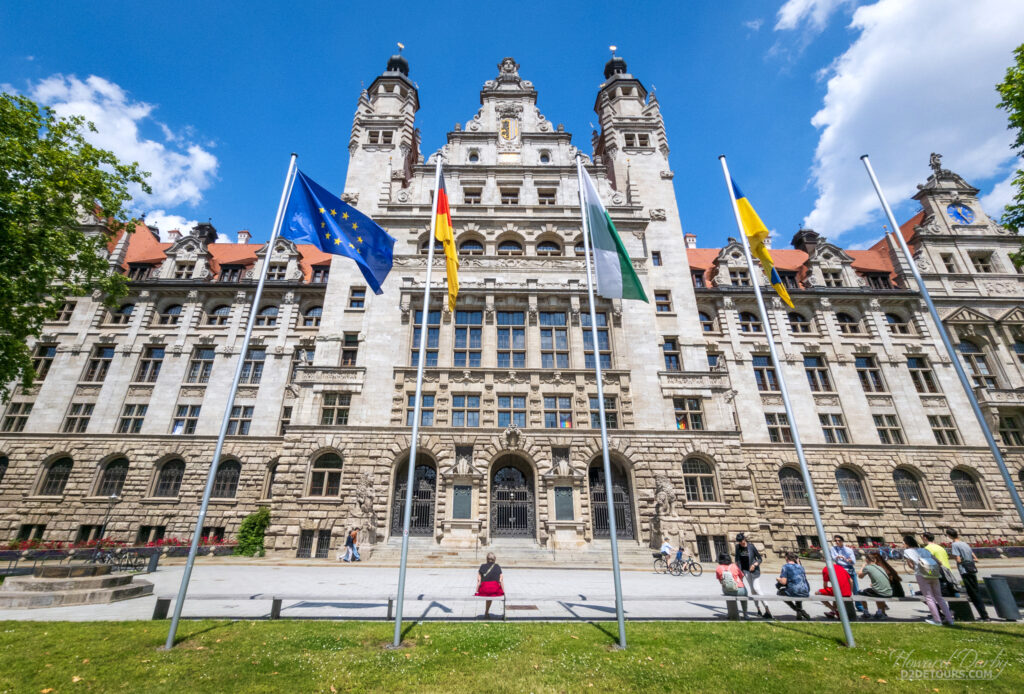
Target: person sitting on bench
(845, 589)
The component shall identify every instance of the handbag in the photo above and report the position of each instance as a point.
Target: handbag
(968, 566)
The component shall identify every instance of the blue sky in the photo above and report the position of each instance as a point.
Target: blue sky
(213, 96)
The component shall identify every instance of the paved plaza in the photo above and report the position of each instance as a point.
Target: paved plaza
(361, 592)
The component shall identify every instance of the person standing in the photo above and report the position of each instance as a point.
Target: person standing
(947, 579)
(792, 582)
(730, 577)
(749, 560)
(967, 563)
(489, 582)
(845, 557)
(350, 547)
(881, 587)
(927, 570)
(353, 536)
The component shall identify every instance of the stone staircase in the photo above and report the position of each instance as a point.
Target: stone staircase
(524, 554)
(57, 586)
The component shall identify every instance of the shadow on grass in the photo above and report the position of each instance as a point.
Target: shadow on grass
(180, 638)
(788, 626)
(600, 626)
(975, 627)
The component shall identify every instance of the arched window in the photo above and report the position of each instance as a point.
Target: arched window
(548, 248)
(707, 323)
(471, 247)
(750, 323)
(897, 324)
(908, 486)
(851, 488)
(699, 479)
(545, 157)
(976, 364)
(112, 478)
(798, 323)
(792, 483)
(967, 490)
(168, 481)
(510, 247)
(219, 315)
(848, 325)
(170, 315)
(425, 247)
(311, 318)
(267, 317)
(474, 156)
(121, 316)
(325, 479)
(225, 483)
(579, 249)
(56, 477)
(3, 467)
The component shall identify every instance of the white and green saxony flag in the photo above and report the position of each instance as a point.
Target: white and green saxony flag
(616, 278)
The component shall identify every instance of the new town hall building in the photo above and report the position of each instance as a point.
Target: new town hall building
(129, 402)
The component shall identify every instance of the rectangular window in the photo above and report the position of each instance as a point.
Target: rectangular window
(472, 196)
(512, 410)
(149, 365)
(87, 533)
(16, 417)
(433, 337)
(335, 408)
(879, 280)
(468, 338)
(714, 360)
(656, 258)
(349, 349)
(603, 343)
(663, 302)
(670, 348)
(277, 271)
(465, 410)
(185, 419)
(183, 271)
(286, 419)
(944, 430)
(698, 279)
(214, 533)
(764, 373)
(230, 273)
(77, 420)
(546, 196)
(321, 274)
(357, 297)
(557, 412)
(200, 366)
(739, 278)
(42, 360)
(689, 414)
(643, 140)
(948, 262)
(817, 374)
(921, 374)
(778, 427)
(789, 280)
(240, 420)
(834, 428)
(1010, 430)
(563, 504)
(301, 356)
(65, 312)
(462, 501)
(982, 262)
(426, 410)
(252, 367)
(630, 139)
(387, 137)
(149, 533)
(99, 364)
(611, 413)
(511, 339)
(509, 196)
(131, 418)
(833, 278)
(870, 375)
(305, 550)
(138, 272)
(554, 341)
(889, 430)
(30, 531)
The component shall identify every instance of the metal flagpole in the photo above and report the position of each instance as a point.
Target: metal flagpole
(755, 280)
(417, 402)
(211, 475)
(953, 357)
(600, 408)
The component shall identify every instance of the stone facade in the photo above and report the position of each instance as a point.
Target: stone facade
(320, 429)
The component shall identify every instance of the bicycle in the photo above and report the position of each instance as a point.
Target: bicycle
(132, 561)
(688, 565)
(661, 566)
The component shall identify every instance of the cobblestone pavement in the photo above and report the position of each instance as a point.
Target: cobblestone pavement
(361, 592)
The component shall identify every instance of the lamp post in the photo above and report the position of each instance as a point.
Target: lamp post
(114, 498)
(916, 503)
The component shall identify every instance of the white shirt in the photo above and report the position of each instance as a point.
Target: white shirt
(666, 548)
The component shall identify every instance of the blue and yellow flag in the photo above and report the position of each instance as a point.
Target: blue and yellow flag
(757, 234)
(319, 218)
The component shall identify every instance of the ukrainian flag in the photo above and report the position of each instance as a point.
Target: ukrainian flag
(757, 234)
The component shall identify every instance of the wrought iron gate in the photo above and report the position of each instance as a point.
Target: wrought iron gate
(423, 492)
(621, 502)
(512, 509)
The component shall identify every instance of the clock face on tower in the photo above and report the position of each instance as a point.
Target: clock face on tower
(960, 212)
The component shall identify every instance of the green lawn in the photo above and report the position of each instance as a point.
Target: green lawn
(321, 656)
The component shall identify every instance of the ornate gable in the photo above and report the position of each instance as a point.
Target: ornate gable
(965, 315)
(1015, 316)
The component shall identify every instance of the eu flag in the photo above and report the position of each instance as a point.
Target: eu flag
(318, 218)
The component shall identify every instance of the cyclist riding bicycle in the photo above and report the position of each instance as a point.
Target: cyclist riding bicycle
(666, 549)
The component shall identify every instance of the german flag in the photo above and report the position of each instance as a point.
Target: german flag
(444, 233)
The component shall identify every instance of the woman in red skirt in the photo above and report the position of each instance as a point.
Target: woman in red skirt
(489, 582)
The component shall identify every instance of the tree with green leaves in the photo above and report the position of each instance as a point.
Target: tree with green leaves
(51, 180)
(251, 533)
(1011, 91)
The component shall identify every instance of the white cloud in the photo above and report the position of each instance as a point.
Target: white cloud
(168, 222)
(1001, 194)
(180, 170)
(754, 24)
(919, 78)
(812, 15)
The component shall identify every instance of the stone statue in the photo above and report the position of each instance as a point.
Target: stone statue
(664, 496)
(367, 517)
(935, 161)
(512, 434)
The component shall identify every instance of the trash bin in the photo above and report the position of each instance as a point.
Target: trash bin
(154, 559)
(1002, 598)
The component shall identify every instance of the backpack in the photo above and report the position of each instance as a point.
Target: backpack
(728, 582)
(927, 565)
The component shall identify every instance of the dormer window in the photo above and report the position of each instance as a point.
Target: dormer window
(321, 274)
(789, 280)
(139, 272)
(739, 278)
(833, 278)
(183, 271)
(698, 279)
(230, 273)
(277, 271)
(879, 280)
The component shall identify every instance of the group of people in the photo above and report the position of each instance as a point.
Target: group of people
(931, 564)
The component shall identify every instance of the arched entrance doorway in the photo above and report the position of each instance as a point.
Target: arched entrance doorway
(513, 510)
(424, 491)
(622, 502)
